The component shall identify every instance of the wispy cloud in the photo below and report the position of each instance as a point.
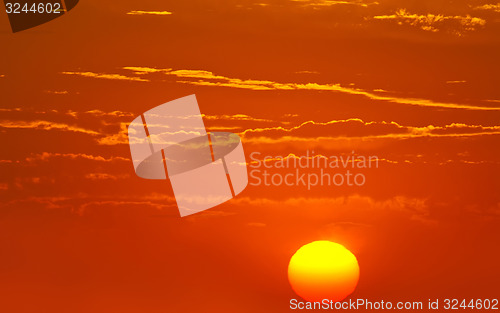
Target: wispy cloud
(290, 129)
(106, 76)
(327, 3)
(370, 130)
(11, 110)
(97, 112)
(489, 7)
(141, 70)
(45, 156)
(456, 81)
(149, 13)
(94, 112)
(306, 72)
(331, 141)
(416, 209)
(235, 117)
(57, 92)
(105, 176)
(207, 78)
(435, 22)
(45, 125)
(315, 132)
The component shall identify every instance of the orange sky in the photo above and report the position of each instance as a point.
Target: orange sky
(412, 82)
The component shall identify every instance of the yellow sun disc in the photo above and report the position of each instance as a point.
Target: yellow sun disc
(323, 270)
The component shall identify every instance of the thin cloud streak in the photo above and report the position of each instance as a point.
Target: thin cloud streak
(149, 13)
(57, 92)
(328, 3)
(206, 78)
(409, 129)
(325, 139)
(106, 76)
(45, 125)
(235, 117)
(290, 129)
(45, 156)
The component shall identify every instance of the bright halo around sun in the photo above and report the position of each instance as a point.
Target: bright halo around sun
(323, 270)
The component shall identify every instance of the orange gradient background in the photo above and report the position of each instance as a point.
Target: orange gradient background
(412, 82)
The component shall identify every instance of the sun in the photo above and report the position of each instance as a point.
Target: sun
(323, 270)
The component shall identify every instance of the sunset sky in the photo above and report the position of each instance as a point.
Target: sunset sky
(415, 83)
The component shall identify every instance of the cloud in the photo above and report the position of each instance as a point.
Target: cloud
(98, 123)
(435, 22)
(415, 209)
(90, 206)
(327, 3)
(235, 117)
(81, 203)
(312, 133)
(489, 7)
(290, 129)
(206, 78)
(116, 139)
(333, 141)
(149, 13)
(106, 76)
(341, 159)
(468, 162)
(115, 113)
(307, 72)
(105, 176)
(122, 136)
(45, 125)
(11, 110)
(57, 92)
(95, 112)
(352, 128)
(256, 224)
(224, 128)
(456, 81)
(384, 128)
(324, 140)
(141, 70)
(1, 75)
(45, 156)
